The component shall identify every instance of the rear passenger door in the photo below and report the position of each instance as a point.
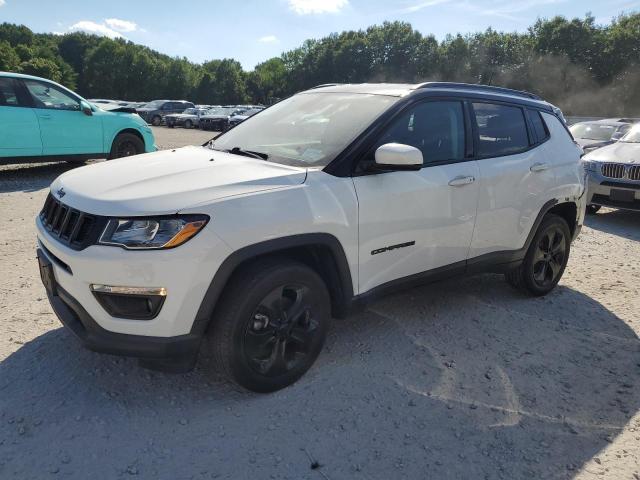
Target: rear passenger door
(515, 177)
(19, 129)
(416, 221)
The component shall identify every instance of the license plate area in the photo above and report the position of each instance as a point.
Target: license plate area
(46, 274)
(618, 195)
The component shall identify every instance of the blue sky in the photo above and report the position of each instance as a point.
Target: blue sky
(254, 30)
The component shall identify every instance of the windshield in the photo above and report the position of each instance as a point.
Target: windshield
(191, 111)
(633, 136)
(154, 104)
(308, 129)
(592, 131)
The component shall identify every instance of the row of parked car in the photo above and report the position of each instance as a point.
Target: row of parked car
(612, 161)
(181, 113)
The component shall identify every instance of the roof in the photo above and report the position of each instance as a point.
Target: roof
(404, 89)
(22, 75)
(612, 121)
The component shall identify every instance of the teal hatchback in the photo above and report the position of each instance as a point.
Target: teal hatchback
(42, 121)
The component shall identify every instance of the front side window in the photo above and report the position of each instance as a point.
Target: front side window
(502, 130)
(308, 129)
(51, 97)
(8, 93)
(434, 128)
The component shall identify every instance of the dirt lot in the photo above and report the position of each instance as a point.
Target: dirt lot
(465, 379)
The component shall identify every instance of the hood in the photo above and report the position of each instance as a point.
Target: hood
(180, 115)
(166, 182)
(112, 107)
(619, 152)
(588, 143)
(214, 116)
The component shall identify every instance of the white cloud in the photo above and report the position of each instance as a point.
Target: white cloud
(306, 7)
(268, 39)
(121, 25)
(419, 6)
(97, 28)
(2, 2)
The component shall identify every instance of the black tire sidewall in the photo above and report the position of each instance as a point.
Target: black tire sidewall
(547, 222)
(240, 302)
(153, 121)
(188, 124)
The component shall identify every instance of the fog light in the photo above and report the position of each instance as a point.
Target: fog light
(135, 303)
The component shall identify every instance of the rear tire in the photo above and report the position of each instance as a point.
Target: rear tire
(156, 121)
(545, 260)
(593, 209)
(126, 145)
(271, 324)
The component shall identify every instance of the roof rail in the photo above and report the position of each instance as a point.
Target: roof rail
(325, 85)
(472, 86)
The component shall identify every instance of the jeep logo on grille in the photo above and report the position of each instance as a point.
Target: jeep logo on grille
(61, 193)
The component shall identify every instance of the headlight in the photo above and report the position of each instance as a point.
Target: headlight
(589, 165)
(153, 232)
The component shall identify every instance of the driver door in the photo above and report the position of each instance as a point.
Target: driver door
(412, 222)
(64, 128)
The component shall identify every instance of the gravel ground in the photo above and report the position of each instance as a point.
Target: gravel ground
(465, 379)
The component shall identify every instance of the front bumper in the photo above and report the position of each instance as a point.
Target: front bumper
(185, 272)
(620, 193)
(95, 338)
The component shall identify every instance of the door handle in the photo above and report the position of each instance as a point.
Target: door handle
(462, 180)
(539, 167)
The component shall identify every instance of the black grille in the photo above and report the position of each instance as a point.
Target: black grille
(69, 226)
(634, 172)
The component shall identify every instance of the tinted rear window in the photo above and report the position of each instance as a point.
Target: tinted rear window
(539, 127)
(502, 130)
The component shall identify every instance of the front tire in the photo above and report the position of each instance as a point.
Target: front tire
(126, 145)
(156, 121)
(271, 324)
(546, 258)
(188, 124)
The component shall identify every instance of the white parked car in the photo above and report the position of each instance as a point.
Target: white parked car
(327, 199)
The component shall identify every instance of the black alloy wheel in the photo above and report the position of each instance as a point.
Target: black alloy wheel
(546, 258)
(279, 335)
(549, 258)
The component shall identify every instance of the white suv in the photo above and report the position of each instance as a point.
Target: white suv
(320, 202)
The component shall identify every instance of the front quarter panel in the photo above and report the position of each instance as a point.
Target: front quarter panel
(114, 123)
(323, 204)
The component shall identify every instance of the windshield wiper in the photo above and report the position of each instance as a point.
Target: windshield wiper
(248, 153)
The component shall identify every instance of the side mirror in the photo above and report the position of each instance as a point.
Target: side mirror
(86, 108)
(397, 156)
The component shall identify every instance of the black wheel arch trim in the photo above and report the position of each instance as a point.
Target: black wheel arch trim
(342, 272)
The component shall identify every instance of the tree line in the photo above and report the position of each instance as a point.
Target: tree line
(583, 67)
